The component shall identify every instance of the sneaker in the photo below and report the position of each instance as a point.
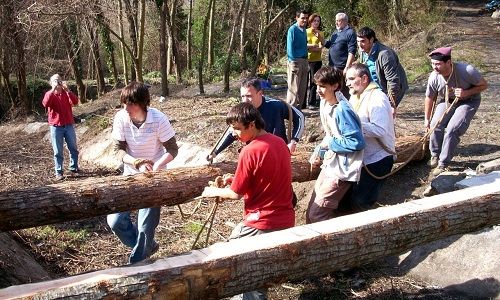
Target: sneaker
(438, 170)
(434, 162)
(74, 171)
(59, 177)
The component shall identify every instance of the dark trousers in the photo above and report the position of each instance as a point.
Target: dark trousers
(365, 192)
(312, 96)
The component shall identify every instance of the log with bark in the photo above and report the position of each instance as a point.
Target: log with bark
(226, 269)
(91, 197)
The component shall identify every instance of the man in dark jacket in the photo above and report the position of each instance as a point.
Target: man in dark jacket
(383, 63)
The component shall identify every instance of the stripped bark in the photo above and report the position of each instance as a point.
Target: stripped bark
(241, 265)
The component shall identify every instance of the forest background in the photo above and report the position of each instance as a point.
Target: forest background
(99, 45)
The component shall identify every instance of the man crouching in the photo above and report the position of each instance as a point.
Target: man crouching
(263, 178)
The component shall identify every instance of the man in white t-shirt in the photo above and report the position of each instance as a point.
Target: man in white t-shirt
(144, 141)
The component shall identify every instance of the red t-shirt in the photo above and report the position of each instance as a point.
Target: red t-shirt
(59, 107)
(264, 178)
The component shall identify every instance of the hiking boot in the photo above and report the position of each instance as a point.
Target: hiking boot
(438, 170)
(433, 162)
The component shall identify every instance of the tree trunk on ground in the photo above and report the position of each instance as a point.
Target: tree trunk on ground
(100, 196)
(222, 270)
(232, 44)
(92, 197)
(18, 266)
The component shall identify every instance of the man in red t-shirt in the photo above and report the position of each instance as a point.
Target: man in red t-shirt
(263, 177)
(59, 102)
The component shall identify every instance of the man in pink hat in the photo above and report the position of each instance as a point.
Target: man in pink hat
(448, 81)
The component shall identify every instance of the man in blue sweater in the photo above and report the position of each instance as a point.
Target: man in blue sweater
(273, 111)
(297, 66)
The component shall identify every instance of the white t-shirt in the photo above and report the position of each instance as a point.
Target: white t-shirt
(143, 142)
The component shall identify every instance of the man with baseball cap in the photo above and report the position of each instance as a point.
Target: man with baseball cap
(448, 81)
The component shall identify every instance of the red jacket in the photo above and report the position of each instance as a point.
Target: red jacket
(59, 107)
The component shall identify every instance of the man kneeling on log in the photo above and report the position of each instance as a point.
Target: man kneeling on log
(263, 178)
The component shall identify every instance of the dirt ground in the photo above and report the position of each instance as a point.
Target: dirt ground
(75, 247)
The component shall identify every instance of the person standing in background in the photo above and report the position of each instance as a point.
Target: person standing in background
(315, 41)
(342, 45)
(59, 102)
(297, 67)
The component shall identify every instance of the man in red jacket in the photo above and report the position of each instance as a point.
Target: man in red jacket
(59, 102)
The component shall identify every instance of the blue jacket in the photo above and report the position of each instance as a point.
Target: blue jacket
(341, 44)
(351, 136)
(296, 43)
(275, 113)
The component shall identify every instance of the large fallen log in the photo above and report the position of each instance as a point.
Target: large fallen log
(226, 269)
(90, 197)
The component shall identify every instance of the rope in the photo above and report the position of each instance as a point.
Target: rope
(210, 218)
(420, 142)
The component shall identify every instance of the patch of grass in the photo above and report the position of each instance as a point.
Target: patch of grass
(66, 238)
(192, 228)
(98, 122)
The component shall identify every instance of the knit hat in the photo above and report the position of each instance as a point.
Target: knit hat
(441, 54)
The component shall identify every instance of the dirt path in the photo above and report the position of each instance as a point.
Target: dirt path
(26, 161)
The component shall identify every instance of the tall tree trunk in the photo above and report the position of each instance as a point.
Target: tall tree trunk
(94, 48)
(108, 45)
(211, 34)
(122, 44)
(162, 47)
(243, 40)
(22, 88)
(173, 49)
(232, 44)
(132, 22)
(140, 50)
(71, 44)
(189, 54)
(203, 49)
(263, 36)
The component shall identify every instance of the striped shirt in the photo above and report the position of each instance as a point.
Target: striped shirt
(146, 141)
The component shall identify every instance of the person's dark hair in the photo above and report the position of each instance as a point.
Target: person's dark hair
(360, 70)
(301, 11)
(251, 81)
(368, 33)
(136, 93)
(311, 19)
(245, 114)
(329, 75)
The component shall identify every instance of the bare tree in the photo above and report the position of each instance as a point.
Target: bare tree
(211, 11)
(73, 50)
(232, 44)
(203, 48)
(163, 11)
(189, 36)
(243, 40)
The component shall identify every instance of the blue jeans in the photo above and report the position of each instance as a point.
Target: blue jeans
(139, 237)
(58, 135)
